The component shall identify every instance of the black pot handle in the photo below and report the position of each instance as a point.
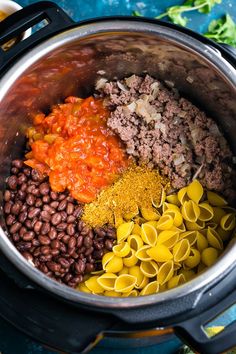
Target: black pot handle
(193, 333)
(14, 25)
(231, 50)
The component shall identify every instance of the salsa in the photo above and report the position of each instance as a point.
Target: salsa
(75, 148)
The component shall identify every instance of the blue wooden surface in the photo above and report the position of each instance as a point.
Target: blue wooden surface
(12, 341)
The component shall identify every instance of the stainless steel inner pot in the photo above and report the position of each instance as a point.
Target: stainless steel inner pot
(69, 63)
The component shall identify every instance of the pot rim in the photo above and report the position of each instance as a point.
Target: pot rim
(90, 28)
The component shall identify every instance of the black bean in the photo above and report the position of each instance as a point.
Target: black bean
(37, 252)
(7, 207)
(21, 178)
(98, 245)
(21, 195)
(63, 215)
(89, 251)
(33, 213)
(15, 237)
(55, 244)
(54, 195)
(79, 267)
(44, 188)
(60, 235)
(78, 211)
(111, 233)
(49, 209)
(56, 219)
(89, 267)
(10, 219)
(38, 203)
(35, 242)
(62, 205)
(17, 163)
(98, 254)
(15, 170)
(37, 176)
(70, 219)
(62, 226)
(45, 228)
(7, 196)
(70, 208)
(30, 199)
(28, 236)
(72, 242)
(23, 187)
(68, 277)
(100, 231)
(70, 229)
(43, 268)
(54, 204)
(37, 226)
(23, 246)
(15, 227)
(109, 245)
(27, 171)
(53, 266)
(44, 240)
(22, 231)
(63, 248)
(12, 182)
(52, 233)
(28, 256)
(45, 258)
(87, 241)
(55, 252)
(36, 192)
(45, 250)
(61, 196)
(16, 208)
(75, 255)
(85, 230)
(46, 199)
(65, 239)
(64, 262)
(80, 225)
(79, 241)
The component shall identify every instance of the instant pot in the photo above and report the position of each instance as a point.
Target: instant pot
(63, 58)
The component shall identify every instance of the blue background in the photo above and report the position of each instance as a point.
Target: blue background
(12, 341)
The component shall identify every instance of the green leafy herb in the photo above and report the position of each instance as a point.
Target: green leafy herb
(223, 30)
(136, 13)
(206, 6)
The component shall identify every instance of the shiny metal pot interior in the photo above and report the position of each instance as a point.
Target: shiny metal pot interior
(69, 63)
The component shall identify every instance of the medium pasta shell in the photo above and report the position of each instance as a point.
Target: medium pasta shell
(165, 222)
(150, 288)
(176, 216)
(224, 235)
(177, 266)
(136, 230)
(142, 253)
(149, 269)
(209, 256)
(149, 234)
(152, 222)
(190, 211)
(162, 287)
(132, 214)
(215, 199)
(135, 242)
(132, 293)
(175, 281)
(202, 242)
(122, 249)
(111, 263)
(187, 273)
(112, 293)
(193, 259)
(168, 206)
(139, 220)
(182, 195)
(206, 212)
(144, 282)
(181, 250)
(150, 214)
(168, 238)
(212, 225)
(124, 270)
(218, 213)
(84, 288)
(158, 204)
(160, 253)
(201, 267)
(227, 222)
(136, 272)
(214, 239)
(93, 285)
(107, 281)
(124, 230)
(198, 225)
(165, 272)
(191, 236)
(180, 228)
(130, 260)
(173, 199)
(118, 220)
(195, 191)
(125, 283)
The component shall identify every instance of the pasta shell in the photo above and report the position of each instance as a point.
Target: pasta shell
(206, 212)
(149, 234)
(118, 220)
(111, 263)
(107, 281)
(149, 269)
(124, 230)
(181, 250)
(131, 214)
(187, 273)
(212, 225)
(144, 282)
(150, 214)
(112, 293)
(190, 211)
(193, 259)
(224, 235)
(132, 293)
(169, 206)
(84, 288)
(152, 222)
(159, 203)
(139, 220)
(125, 283)
(173, 199)
(136, 272)
(142, 254)
(93, 285)
(202, 242)
(182, 195)
(136, 230)
(176, 216)
(218, 213)
(165, 272)
(162, 287)
(191, 236)
(175, 281)
(227, 222)
(160, 253)
(216, 199)
(201, 267)
(165, 222)
(177, 266)
(135, 242)
(209, 256)
(130, 260)
(198, 225)
(122, 249)
(180, 228)
(150, 288)
(195, 191)
(214, 239)
(124, 270)
(168, 238)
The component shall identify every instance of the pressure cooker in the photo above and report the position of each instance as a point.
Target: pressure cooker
(63, 58)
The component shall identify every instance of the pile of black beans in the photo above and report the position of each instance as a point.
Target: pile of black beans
(46, 229)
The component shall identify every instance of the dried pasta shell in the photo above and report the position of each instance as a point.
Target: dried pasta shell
(209, 256)
(124, 230)
(190, 211)
(214, 239)
(175, 281)
(139, 220)
(150, 288)
(165, 222)
(168, 238)
(112, 293)
(122, 249)
(136, 272)
(187, 273)
(135, 242)
(195, 191)
(216, 199)
(206, 212)
(125, 283)
(198, 225)
(224, 235)
(162, 287)
(136, 230)
(227, 222)
(107, 281)
(176, 216)
(93, 285)
(218, 213)
(118, 220)
(132, 293)
(193, 259)
(132, 214)
(143, 283)
(149, 269)
(84, 288)
(124, 270)
(162, 199)
(130, 260)
(182, 195)
(149, 234)
(142, 254)
(160, 253)
(180, 228)
(202, 242)
(165, 272)
(152, 222)
(181, 250)
(173, 199)
(212, 225)
(168, 206)
(201, 267)
(111, 263)
(150, 214)
(177, 266)
(191, 236)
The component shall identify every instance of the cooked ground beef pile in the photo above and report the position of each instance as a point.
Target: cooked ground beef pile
(167, 131)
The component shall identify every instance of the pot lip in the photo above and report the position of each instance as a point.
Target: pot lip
(89, 28)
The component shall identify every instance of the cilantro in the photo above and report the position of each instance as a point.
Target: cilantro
(206, 6)
(222, 30)
(136, 13)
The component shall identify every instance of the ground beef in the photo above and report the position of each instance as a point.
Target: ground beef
(164, 130)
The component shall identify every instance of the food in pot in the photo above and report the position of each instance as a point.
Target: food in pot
(119, 193)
